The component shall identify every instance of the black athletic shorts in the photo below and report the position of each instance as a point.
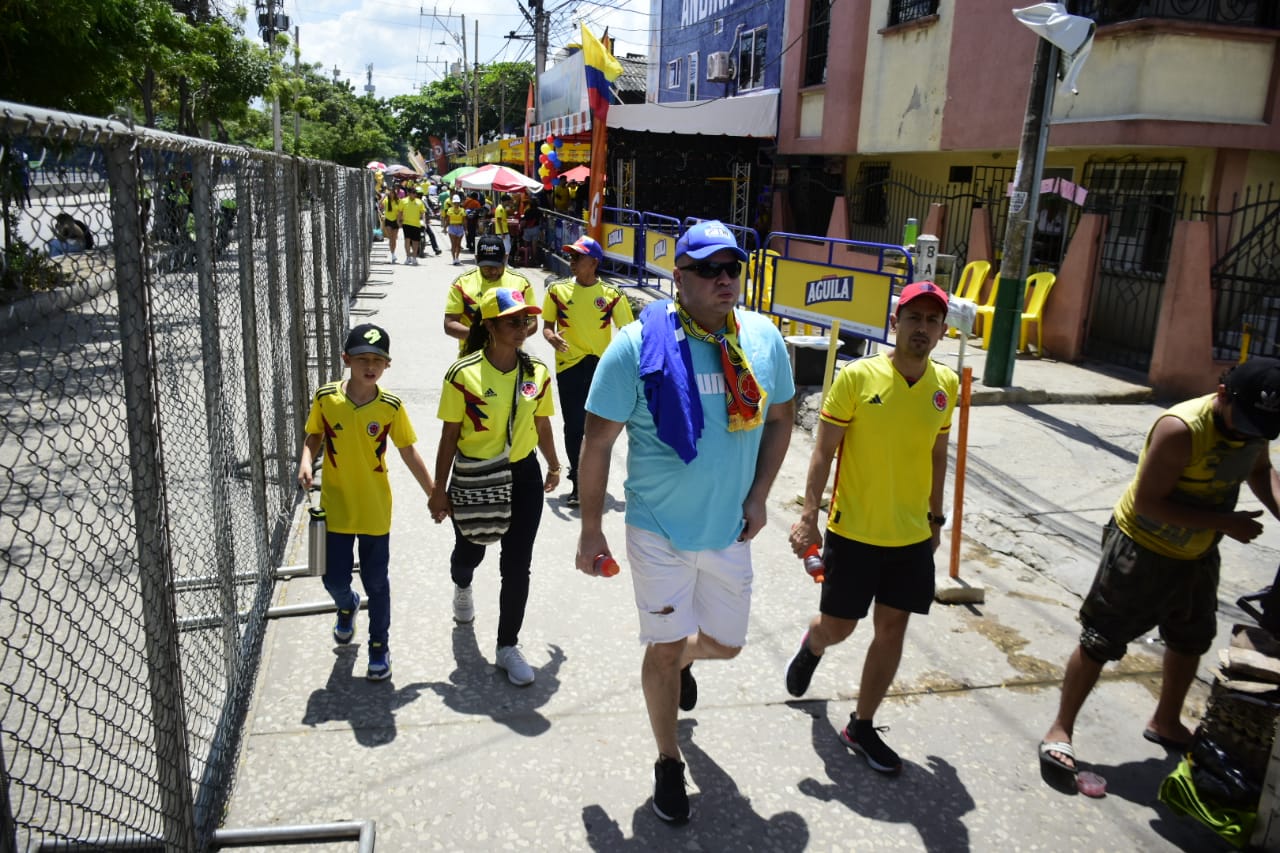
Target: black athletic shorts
(858, 574)
(413, 232)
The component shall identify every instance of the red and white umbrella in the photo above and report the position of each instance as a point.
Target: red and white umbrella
(504, 179)
(376, 166)
(577, 175)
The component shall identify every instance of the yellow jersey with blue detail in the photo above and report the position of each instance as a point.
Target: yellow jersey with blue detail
(354, 490)
(884, 466)
(1211, 481)
(478, 396)
(584, 316)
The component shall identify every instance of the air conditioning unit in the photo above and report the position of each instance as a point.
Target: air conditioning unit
(719, 67)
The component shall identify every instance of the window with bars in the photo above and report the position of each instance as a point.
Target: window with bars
(816, 42)
(751, 47)
(902, 11)
(674, 68)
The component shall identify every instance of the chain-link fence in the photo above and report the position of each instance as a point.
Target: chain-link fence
(166, 305)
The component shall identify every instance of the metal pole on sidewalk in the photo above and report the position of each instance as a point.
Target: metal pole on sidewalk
(1022, 212)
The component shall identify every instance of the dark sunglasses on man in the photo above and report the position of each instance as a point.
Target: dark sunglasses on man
(712, 269)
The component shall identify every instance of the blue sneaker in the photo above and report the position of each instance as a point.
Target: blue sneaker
(379, 662)
(344, 629)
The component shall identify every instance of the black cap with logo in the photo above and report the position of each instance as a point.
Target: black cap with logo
(1255, 397)
(368, 338)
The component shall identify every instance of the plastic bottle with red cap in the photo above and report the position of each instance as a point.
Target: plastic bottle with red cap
(606, 566)
(813, 564)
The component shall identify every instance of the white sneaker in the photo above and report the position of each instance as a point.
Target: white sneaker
(518, 670)
(464, 611)
(393, 259)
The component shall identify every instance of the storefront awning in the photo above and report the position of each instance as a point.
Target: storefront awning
(753, 115)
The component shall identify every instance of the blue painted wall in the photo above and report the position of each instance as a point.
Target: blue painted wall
(688, 26)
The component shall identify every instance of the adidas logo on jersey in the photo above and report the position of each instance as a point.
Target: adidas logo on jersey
(489, 392)
(875, 401)
(337, 426)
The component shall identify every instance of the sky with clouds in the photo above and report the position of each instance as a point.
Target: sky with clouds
(403, 40)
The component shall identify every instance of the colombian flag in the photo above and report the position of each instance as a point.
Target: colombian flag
(602, 69)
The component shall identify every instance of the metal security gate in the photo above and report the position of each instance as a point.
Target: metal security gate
(1140, 200)
(1246, 276)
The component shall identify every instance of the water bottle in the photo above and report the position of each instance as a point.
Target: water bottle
(910, 231)
(813, 564)
(606, 566)
(317, 541)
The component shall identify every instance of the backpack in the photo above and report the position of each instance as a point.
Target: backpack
(88, 235)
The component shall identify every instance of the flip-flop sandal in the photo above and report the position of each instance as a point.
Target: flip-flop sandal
(1167, 742)
(1059, 746)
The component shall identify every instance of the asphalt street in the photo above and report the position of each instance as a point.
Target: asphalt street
(447, 755)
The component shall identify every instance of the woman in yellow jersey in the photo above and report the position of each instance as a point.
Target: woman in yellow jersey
(391, 220)
(454, 217)
(480, 390)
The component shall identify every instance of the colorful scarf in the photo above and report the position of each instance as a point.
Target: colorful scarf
(743, 395)
(670, 386)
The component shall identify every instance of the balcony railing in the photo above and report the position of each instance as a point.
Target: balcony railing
(902, 11)
(1244, 13)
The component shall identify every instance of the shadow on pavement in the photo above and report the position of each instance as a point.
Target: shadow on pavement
(897, 799)
(1139, 783)
(370, 707)
(478, 687)
(722, 819)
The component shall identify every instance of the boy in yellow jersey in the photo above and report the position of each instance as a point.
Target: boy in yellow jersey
(578, 316)
(888, 417)
(1159, 564)
(352, 422)
(462, 306)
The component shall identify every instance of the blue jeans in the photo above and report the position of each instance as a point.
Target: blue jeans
(517, 549)
(574, 383)
(375, 555)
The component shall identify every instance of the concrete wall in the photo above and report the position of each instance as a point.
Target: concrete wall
(904, 89)
(1066, 312)
(1181, 364)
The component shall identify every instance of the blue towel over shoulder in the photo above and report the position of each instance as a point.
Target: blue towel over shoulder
(670, 389)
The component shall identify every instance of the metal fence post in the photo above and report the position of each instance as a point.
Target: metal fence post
(275, 320)
(155, 570)
(219, 463)
(247, 211)
(337, 281)
(324, 332)
(297, 297)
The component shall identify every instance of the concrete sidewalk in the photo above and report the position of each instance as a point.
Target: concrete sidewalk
(447, 755)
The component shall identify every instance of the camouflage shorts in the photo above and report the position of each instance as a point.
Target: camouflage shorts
(1136, 590)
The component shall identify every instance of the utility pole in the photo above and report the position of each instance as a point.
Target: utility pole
(475, 88)
(1022, 212)
(271, 22)
(297, 115)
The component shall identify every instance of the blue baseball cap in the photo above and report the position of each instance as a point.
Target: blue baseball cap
(584, 245)
(501, 301)
(705, 238)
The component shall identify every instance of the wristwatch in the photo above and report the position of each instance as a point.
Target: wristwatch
(939, 520)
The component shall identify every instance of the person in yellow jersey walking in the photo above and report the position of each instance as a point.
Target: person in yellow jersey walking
(462, 305)
(888, 418)
(454, 217)
(578, 318)
(494, 397)
(413, 213)
(391, 220)
(500, 227)
(351, 423)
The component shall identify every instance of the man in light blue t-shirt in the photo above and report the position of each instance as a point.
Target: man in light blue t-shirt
(705, 392)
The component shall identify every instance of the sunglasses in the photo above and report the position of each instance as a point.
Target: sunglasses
(712, 269)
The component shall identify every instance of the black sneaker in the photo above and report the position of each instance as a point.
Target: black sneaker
(670, 799)
(572, 498)
(864, 738)
(800, 670)
(688, 689)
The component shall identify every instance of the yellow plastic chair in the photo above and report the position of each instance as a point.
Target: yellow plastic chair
(1034, 312)
(970, 285)
(1034, 283)
(987, 307)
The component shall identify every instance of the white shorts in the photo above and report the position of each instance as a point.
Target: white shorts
(679, 592)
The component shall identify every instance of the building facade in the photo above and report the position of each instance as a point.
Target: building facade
(914, 108)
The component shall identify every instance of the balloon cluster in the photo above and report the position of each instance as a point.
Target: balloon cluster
(549, 162)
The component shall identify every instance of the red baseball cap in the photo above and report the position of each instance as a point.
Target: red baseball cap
(919, 289)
